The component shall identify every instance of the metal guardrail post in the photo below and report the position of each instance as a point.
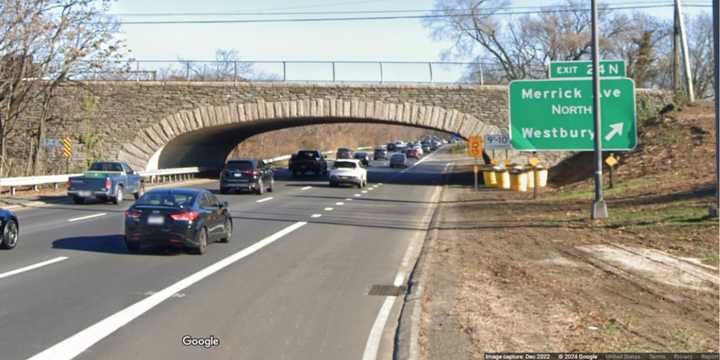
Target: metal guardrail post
(187, 71)
(235, 71)
(284, 70)
(381, 72)
(137, 71)
(430, 69)
(333, 71)
(482, 76)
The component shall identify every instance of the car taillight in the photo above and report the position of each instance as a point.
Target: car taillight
(252, 173)
(108, 183)
(133, 214)
(185, 216)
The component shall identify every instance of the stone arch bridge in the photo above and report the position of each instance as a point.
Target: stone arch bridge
(175, 124)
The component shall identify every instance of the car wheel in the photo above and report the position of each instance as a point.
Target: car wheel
(140, 191)
(202, 240)
(9, 235)
(78, 200)
(260, 188)
(228, 230)
(119, 196)
(133, 247)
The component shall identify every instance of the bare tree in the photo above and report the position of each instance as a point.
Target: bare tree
(522, 46)
(700, 43)
(42, 44)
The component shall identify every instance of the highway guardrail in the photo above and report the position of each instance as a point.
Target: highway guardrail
(159, 175)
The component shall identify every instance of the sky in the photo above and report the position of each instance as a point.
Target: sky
(394, 40)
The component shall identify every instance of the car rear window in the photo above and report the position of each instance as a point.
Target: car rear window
(307, 154)
(101, 166)
(239, 165)
(398, 157)
(167, 199)
(345, 164)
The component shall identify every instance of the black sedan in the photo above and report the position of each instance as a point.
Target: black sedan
(10, 229)
(363, 157)
(188, 218)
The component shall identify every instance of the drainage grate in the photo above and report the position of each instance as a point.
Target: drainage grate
(387, 290)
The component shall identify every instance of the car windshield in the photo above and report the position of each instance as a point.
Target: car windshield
(360, 155)
(167, 199)
(239, 165)
(103, 166)
(398, 157)
(345, 164)
(307, 154)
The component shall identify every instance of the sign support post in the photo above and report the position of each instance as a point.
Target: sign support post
(599, 207)
(475, 170)
(715, 208)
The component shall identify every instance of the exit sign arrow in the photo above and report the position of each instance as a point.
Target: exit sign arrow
(617, 129)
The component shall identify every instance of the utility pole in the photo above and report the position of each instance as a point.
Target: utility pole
(685, 54)
(599, 208)
(715, 208)
(675, 53)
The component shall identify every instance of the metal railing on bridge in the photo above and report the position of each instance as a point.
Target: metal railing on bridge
(436, 72)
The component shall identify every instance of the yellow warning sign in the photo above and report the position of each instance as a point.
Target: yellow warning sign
(67, 147)
(475, 146)
(611, 160)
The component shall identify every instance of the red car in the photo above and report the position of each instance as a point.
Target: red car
(412, 153)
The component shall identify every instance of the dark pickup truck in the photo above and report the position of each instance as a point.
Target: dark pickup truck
(307, 161)
(106, 181)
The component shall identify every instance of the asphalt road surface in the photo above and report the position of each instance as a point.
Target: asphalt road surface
(292, 283)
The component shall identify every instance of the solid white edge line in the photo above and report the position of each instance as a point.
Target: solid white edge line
(87, 217)
(306, 188)
(373, 343)
(32, 267)
(76, 344)
(264, 200)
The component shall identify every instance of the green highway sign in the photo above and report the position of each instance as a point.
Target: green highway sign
(556, 114)
(583, 69)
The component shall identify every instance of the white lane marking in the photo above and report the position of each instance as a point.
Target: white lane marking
(379, 184)
(348, 199)
(87, 217)
(315, 215)
(364, 191)
(373, 343)
(399, 278)
(371, 189)
(328, 209)
(76, 344)
(306, 188)
(264, 200)
(339, 203)
(32, 267)
(357, 195)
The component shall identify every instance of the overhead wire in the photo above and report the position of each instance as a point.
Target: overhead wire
(447, 14)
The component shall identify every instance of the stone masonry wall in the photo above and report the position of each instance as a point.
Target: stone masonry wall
(118, 117)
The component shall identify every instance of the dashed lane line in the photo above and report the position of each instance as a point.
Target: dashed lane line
(32, 267)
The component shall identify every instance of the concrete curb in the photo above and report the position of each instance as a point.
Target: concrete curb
(407, 336)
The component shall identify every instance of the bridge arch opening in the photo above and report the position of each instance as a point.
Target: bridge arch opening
(205, 136)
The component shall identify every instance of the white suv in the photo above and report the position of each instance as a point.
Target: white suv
(348, 171)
